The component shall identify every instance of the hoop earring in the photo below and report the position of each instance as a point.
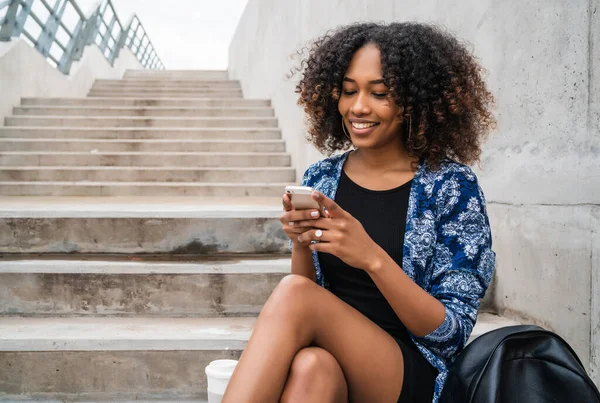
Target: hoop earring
(345, 131)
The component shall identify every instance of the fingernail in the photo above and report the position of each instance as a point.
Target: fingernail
(315, 195)
(314, 214)
(300, 238)
(291, 223)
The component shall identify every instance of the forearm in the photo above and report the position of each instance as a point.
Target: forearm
(302, 262)
(419, 312)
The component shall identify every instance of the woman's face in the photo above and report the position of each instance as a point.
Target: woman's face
(370, 115)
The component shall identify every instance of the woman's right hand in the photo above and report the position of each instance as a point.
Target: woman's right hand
(291, 216)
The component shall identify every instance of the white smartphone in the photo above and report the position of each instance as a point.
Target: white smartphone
(302, 199)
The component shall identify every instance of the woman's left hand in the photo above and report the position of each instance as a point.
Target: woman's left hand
(341, 235)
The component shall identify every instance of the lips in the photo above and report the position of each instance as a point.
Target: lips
(363, 128)
(361, 125)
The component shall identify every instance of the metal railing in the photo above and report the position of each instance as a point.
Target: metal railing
(45, 25)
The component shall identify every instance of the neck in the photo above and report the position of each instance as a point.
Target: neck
(384, 159)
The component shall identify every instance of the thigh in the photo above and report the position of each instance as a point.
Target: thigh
(370, 358)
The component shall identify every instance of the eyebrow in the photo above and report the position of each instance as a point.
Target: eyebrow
(379, 81)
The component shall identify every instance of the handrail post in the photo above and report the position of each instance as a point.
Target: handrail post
(108, 34)
(9, 22)
(48, 34)
(72, 48)
(120, 43)
(14, 23)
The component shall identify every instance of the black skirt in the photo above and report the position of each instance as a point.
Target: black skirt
(419, 376)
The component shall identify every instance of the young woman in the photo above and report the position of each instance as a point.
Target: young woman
(385, 288)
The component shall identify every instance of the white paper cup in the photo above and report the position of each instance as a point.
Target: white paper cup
(218, 373)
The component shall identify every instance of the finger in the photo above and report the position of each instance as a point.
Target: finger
(302, 215)
(333, 209)
(287, 202)
(314, 235)
(290, 229)
(324, 247)
(322, 223)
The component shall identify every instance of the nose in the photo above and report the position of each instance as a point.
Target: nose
(360, 106)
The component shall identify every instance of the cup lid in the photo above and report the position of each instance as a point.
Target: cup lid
(222, 369)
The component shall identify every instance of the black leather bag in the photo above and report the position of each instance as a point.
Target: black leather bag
(518, 364)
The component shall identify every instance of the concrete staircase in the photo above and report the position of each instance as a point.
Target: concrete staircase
(128, 298)
(150, 134)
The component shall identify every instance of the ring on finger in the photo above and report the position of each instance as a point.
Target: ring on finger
(318, 233)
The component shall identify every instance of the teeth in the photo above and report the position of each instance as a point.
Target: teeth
(362, 125)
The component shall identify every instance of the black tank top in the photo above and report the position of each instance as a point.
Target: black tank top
(383, 215)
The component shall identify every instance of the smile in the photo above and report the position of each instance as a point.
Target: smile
(363, 125)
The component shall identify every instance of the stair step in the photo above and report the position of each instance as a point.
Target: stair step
(147, 189)
(149, 102)
(183, 81)
(169, 89)
(167, 94)
(115, 358)
(187, 74)
(142, 225)
(18, 399)
(486, 322)
(165, 286)
(132, 358)
(167, 122)
(148, 174)
(183, 159)
(214, 133)
(150, 80)
(124, 334)
(172, 112)
(162, 86)
(149, 334)
(139, 145)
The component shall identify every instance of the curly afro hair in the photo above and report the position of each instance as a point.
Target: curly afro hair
(435, 80)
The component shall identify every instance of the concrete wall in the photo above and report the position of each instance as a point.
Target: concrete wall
(24, 72)
(540, 169)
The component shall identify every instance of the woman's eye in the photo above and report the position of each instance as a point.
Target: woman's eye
(375, 94)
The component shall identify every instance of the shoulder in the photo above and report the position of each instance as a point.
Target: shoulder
(452, 185)
(448, 171)
(325, 167)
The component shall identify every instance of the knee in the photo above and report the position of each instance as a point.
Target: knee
(315, 375)
(312, 364)
(294, 283)
(291, 296)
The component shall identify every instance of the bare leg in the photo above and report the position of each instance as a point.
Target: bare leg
(299, 314)
(315, 377)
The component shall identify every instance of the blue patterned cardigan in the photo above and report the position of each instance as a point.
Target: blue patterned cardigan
(447, 249)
